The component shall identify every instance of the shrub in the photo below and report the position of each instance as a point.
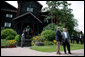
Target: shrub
(48, 35)
(54, 41)
(50, 26)
(48, 43)
(10, 37)
(8, 33)
(53, 26)
(37, 40)
(2, 28)
(5, 42)
(17, 38)
(11, 43)
(32, 43)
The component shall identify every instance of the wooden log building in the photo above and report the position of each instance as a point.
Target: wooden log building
(27, 13)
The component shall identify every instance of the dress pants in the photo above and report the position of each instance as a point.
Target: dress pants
(58, 47)
(66, 44)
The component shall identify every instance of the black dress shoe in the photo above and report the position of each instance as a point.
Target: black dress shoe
(65, 53)
(69, 53)
(59, 53)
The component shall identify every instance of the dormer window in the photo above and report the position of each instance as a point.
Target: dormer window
(9, 15)
(29, 9)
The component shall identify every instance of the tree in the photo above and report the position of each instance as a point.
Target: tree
(53, 7)
(59, 11)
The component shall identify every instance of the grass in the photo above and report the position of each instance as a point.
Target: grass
(52, 48)
(3, 42)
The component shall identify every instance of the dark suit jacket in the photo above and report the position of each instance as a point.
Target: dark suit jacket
(79, 36)
(58, 36)
(63, 36)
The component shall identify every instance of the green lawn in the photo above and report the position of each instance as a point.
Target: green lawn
(52, 48)
(3, 42)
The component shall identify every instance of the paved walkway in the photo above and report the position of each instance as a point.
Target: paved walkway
(26, 51)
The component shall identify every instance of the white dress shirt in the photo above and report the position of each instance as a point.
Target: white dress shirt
(65, 34)
(80, 36)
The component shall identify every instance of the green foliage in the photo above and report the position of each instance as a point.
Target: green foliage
(32, 43)
(17, 38)
(37, 40)
(48, 43)
(8, 33)
(10, 37)
(11, 43)
(5, 42)
(48, 35)
(2, 28)
(50, 26)
(52, 48)
(53, 26)
(63, 15)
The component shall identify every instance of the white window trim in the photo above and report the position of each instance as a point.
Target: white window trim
(7, 24)
(29, 9)
(9, 15)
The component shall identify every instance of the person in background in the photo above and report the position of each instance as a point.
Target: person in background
(23, 38)
(77, 38)
(58, 39)
(72, 36)
(66, 40)
(81, 37)
(27, 31)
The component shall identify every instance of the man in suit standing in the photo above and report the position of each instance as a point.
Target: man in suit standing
(58, 39)
(22, 38)
(66, 40)
(80, 37)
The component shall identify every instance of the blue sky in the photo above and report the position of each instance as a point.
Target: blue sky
(78, 11)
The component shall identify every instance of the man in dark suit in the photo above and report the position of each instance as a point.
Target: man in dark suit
(80, 36)
(66, 40)
(58, 39)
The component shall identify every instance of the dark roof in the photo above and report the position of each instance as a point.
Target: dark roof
(7, 6)
(39, 3)
(26, 14)
(35, 1)
(9, 10)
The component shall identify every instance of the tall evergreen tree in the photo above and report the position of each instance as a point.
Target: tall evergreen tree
(59, 11)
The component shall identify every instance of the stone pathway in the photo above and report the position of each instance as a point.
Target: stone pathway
(26, 51)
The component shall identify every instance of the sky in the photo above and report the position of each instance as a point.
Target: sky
(78, 11)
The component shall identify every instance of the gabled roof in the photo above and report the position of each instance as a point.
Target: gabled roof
(35, 1)
(7, 6)
(39, 3)
(26, 14)
(9, 10)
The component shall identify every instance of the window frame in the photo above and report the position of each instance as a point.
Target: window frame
(29, 9)
(9, 15)
(7, 24)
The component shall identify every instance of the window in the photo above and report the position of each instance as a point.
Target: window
(7, 24)
(30, 9)
(9, 15)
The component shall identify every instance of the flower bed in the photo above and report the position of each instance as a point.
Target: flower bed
(8, 43)
(37, 41)
(8, 46)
